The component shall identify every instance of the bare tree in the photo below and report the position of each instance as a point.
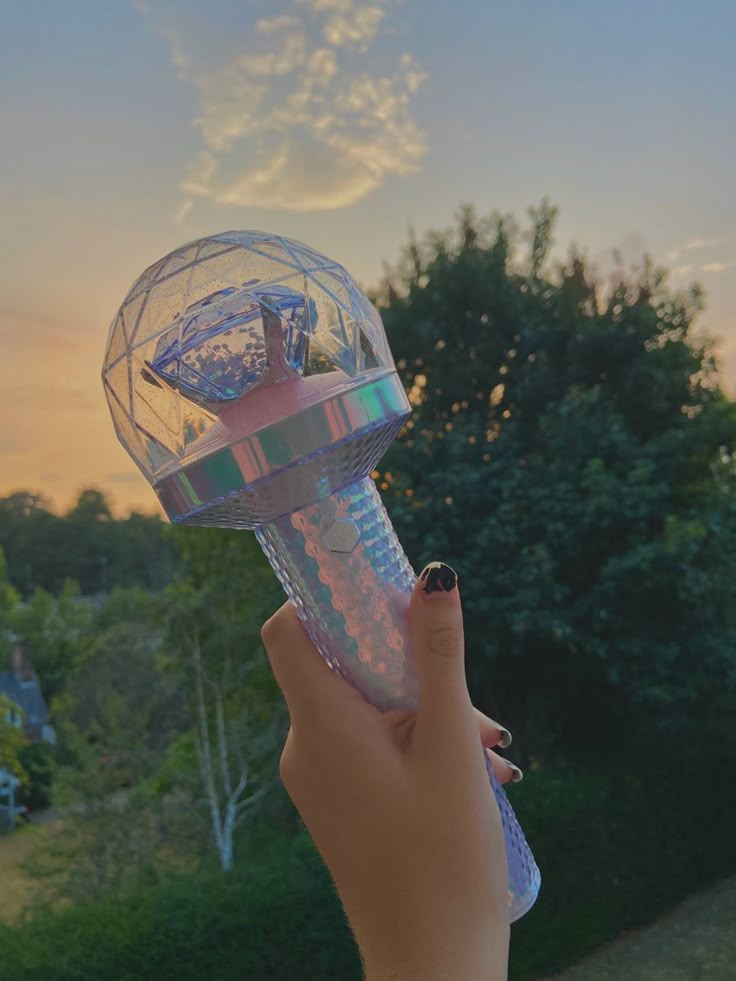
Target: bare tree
(220, 752)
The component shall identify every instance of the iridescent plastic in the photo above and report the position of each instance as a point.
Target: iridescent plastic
(354, 606)
(250, 379)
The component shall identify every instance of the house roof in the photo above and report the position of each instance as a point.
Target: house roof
(27, 695)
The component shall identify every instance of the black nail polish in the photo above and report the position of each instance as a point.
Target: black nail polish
(438, 577)
(516, 774)
(506, 739)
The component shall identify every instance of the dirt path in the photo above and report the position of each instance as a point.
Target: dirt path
(696, 942)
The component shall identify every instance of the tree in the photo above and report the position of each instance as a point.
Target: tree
(86, 545)
(119, 709)
(214, 620)
(8, 602)
(572, 455)
(55, 630)
(12, 739)
(116, 717)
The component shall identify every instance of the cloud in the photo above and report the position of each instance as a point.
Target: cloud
(716, 267)
(700, 243)
(297, 110)
(706, 267)
(696, 243)
(180, 215)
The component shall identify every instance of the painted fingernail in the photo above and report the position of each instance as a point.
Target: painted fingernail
(437, 577)
(506, 737)
(517, 775)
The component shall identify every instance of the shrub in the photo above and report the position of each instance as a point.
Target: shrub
(616, 849)
(37, 759)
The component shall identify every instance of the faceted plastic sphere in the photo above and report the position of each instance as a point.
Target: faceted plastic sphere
(219, 317)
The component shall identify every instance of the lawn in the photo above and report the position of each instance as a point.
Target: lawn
(16, 849)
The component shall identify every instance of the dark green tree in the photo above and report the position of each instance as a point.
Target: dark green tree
(55, 630)
(117, 716)
(9, 599)
(87, 544)
(572, 455)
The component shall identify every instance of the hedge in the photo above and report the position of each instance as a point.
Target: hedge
(616, 849)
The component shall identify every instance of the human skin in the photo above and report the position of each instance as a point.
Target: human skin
(399, 803)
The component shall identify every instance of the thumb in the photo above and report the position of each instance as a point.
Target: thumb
(438, 643)
(311, 689)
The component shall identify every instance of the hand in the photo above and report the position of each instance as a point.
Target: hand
(399, 803)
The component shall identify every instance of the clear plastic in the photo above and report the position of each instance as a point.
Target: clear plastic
(197, 331)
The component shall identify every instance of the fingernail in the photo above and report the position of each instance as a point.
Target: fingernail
(506, 737)
(517, 775)
(437, 577)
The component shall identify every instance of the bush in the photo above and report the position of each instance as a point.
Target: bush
(38, 760)
(283, 921)
(616, 850)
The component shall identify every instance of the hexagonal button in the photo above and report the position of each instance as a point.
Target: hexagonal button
(342, 535)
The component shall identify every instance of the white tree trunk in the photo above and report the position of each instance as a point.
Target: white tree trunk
(226, 801)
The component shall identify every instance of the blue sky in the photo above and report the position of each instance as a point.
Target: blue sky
(129, 128)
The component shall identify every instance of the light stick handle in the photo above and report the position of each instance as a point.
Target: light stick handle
(342, 566)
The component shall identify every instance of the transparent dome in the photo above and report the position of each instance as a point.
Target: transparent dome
(205, 331)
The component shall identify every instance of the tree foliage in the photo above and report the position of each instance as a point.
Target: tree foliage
(12, 739)
(572, 455)
(213, 619)
(86, 544)
(55, 630)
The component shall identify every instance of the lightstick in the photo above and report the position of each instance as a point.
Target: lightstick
(251, 381)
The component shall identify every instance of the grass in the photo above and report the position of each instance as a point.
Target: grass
(18, 852)
(16, 848)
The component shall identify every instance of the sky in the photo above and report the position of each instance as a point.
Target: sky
(128, 127)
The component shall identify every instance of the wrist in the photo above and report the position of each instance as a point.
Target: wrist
(427, 965)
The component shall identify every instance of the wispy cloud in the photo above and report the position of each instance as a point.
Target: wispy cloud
(693, 245)
(693, 269)
(180, 215)
(717, 267)
(301, 113)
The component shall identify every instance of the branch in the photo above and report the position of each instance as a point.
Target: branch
(204, 751)
(242, 784)
(243, 806)
(222, 740)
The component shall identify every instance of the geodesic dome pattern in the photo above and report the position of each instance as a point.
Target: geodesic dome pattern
(192, 337)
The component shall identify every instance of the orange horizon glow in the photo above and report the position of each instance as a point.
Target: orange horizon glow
(127, 135)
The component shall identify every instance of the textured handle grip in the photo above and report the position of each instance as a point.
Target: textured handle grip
(342, 566)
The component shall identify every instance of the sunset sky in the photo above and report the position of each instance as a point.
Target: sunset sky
(128, 128)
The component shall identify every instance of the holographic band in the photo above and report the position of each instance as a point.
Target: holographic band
(282, 444)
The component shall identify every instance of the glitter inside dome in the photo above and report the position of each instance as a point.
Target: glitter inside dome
(195, 334)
